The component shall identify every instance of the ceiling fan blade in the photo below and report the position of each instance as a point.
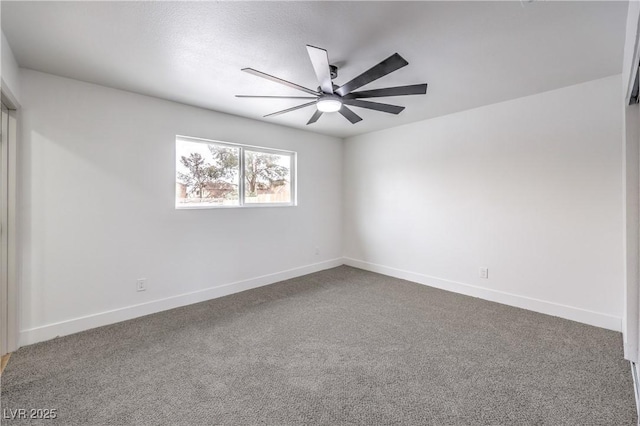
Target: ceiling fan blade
(349, 115)
(392, 109)
(291, 109)
(314, 117)
(389, 65)
(320, 61)
(416, 89)
(275, 97)
(279, 80)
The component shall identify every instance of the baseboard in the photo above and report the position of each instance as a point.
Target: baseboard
(597, 319)
(75, 325)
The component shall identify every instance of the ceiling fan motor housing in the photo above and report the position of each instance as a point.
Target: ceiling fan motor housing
(333, 71)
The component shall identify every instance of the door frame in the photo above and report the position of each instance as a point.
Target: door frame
(8, 201)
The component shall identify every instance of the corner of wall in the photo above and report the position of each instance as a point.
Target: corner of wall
(343, 199)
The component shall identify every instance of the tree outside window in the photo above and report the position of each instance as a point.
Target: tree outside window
(210, 175)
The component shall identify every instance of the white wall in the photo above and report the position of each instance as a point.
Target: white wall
(97, 184)
(9, 70)
(530, 188)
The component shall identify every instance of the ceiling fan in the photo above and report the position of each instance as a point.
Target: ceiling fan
(331, 98)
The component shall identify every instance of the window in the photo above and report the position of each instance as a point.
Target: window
(221, 174)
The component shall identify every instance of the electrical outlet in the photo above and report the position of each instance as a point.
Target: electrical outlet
(141, 284)
(484, 273)
(317, 251)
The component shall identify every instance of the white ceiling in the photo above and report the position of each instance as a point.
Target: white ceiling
(470, 53)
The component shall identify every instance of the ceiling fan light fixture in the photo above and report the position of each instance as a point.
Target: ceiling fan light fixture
(329, 104)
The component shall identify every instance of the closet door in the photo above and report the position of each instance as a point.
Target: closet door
(4, 282)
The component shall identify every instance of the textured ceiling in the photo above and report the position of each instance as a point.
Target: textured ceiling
(470, 53)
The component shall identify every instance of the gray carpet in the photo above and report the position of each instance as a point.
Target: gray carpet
(342, 346)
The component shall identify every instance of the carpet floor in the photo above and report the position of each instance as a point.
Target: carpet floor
(341, 346)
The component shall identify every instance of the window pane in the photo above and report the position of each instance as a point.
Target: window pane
(267, 177)
(206, 174)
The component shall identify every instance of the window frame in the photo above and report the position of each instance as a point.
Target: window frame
(293, 162)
